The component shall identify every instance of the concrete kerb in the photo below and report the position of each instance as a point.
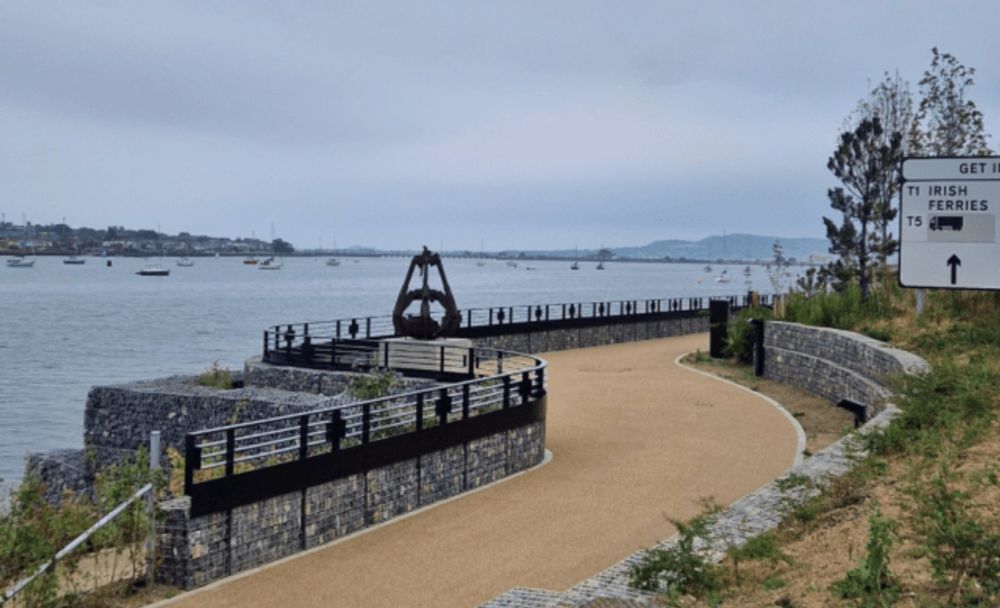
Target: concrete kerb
(215, 584)
(800, 434)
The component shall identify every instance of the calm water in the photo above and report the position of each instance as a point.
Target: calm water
(66, 328)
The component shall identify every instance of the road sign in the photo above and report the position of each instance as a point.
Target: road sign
(948, 235)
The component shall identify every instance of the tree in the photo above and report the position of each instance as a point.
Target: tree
(863, 161)
(281, 246)
(947, 123)
(892, 103)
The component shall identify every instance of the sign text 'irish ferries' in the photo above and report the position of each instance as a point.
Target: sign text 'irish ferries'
(948, 223)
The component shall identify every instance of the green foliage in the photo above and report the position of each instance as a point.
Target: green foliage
(32, 531)
(841, 310)
(372, 385)
(216, 377)
(872, 584)
(950, 403)
(739, 342)
(681, 568)
(865, 162)
(760, 548)
(964, 552)
(947, 122)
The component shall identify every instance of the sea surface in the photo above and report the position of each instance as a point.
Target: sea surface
(66, 328)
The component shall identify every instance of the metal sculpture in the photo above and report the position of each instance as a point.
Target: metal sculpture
(423, 326)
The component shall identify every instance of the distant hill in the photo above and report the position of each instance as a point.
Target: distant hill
(729, 247)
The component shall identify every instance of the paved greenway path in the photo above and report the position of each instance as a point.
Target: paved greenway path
(635, 439)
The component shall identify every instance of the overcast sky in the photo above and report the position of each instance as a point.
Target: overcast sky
(521, 124)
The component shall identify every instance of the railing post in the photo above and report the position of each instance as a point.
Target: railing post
(499, 361)
(442, 359)
(333, 352)
(758, 346)
(303, 436)
(338, 328)
(154, 466)
(491, 317)
(385, 356)
(265, 345)
(443, 406)
(506, 392)
(525, 388)
(420, 412)
(192, 460)
(307, 350)
(546, 312)
(465, 402)
(366, 423)
(230, 451)
(472, 361)
(335, 430)
(368, 328)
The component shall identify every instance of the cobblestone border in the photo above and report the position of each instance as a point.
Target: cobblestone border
(752, 515)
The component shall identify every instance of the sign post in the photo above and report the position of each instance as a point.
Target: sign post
(948, 223)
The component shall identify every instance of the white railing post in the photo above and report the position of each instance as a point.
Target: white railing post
(154, 466)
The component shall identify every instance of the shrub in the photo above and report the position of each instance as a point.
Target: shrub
(964, 553)
(373, 385)
(216, 377)
(681, 568)
(872, 583)
(739, 342)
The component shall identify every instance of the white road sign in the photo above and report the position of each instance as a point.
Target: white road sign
(948, 223)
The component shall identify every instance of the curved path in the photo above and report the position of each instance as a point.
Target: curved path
(635, 439)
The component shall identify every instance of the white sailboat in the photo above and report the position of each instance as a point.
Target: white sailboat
(155, 269)
(21, 262)
(333, 260)
(271, 263)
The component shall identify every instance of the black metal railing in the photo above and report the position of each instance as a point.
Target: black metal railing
(314, 344)
(488, 391)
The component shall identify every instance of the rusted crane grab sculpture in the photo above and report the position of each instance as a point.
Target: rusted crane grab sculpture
(423, 326)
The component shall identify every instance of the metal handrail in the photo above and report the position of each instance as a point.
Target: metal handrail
(381, 326)
(521, 377)
(76, 542)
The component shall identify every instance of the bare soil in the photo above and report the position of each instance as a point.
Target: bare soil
(821, 419)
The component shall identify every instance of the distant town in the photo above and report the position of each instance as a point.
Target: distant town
(61, 239)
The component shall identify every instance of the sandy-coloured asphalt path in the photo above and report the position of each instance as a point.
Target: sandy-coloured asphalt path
(635, 439)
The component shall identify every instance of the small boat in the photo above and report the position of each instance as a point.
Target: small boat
(708, 269)
(722, 277)
(250, 260)
(600, 266)
(270, 264)
(512, 264)
(480, 263)
(20, 262)
(154, 271)
(575, 266)
(74, 260)
(332, 262)
(185, 262)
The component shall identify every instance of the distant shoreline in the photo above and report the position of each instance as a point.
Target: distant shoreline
(404, 254)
